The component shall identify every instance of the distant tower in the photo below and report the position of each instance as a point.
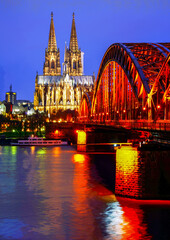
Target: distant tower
(73, 56)
(52, 54)
(10, 96)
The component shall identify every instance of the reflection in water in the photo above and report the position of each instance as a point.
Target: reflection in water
(57, 194)
(81, 184)
(132, 226)
(11, 228)
(8, 159)
(79, 158)
(32, 150)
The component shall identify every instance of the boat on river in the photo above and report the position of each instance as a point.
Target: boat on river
(39, 141)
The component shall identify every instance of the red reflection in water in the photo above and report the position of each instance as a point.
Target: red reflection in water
(88, 196)
(80, 183)
(133, 226)
(125, 222)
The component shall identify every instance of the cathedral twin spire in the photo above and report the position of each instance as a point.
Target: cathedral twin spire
(72, 57)
(73, 38)
(52, 44)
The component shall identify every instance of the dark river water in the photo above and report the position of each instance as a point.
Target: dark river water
(56, 193)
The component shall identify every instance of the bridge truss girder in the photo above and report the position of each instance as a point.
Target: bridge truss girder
(85, 108)
(126, 76)
(160, 92)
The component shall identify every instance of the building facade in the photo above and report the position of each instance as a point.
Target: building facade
(10, 97)
(2, 109)
(55, 91)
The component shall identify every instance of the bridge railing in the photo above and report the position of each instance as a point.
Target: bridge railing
(147, 125)
(160, 125)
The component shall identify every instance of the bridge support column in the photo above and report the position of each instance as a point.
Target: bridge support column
(81, 141)
(149, 109)
(127, 173)
(140, 177)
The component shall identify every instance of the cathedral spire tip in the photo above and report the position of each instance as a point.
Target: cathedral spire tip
(52, 44)
(73, 14)
(73, 39)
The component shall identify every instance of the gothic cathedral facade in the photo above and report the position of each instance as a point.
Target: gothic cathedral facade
(55, 91)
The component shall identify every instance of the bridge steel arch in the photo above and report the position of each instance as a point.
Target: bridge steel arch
(160, 92)
(125, 79)
(85, 107)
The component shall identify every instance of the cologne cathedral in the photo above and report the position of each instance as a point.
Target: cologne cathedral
(55, 91)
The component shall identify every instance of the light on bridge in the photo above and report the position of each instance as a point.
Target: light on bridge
(81, 138)
(56, 132)
(60, 120)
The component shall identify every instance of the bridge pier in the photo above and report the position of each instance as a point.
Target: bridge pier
(100, 139)
(81, 141)
(142, 175)
(138, 174)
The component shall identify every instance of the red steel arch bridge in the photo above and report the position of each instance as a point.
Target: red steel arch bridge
(132, 86)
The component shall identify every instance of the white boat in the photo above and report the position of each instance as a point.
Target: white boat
(39, 141)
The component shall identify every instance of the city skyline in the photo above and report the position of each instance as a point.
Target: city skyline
(25, 30)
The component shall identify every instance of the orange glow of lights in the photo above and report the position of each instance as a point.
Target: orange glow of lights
(81, 138)
(117, 111)
(158, 106)
(56, 132)
(107, 113)
(32, 149)
(133, 226)
(81, 189)
(54, 121)
(78, 158)
(124, 110)
(56, 150)
(144, 108)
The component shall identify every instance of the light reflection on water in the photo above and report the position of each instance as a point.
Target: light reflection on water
(55, 193)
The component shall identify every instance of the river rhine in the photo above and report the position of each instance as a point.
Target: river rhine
(56, 193)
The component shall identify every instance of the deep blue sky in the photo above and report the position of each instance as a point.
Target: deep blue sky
(24, 28)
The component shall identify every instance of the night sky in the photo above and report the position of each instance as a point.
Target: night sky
(99, 23)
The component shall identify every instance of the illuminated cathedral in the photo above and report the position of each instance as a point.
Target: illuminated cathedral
(55, 91)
